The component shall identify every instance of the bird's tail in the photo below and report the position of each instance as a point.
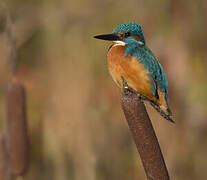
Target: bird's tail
(164, 112)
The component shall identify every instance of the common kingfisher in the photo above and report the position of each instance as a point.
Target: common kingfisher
(131, 60)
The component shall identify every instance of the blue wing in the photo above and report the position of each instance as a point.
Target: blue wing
(145, 55)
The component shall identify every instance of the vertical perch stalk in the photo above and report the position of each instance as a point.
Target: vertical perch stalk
(144, 137)
(17, 128)
(16, 112)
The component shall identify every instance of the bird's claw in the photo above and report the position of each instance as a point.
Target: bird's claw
(124, 83)
(127, 90)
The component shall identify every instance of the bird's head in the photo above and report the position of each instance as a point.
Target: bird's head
(128, 33)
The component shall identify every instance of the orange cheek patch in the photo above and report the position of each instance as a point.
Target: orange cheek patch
(135, 37)
(120, 34)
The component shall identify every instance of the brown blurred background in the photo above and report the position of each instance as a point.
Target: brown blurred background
(76, 126)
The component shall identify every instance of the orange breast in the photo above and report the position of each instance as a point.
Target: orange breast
(133, 71)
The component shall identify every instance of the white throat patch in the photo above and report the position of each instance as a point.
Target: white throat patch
(119, 43)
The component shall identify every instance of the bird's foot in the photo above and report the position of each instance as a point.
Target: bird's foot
(127, 90)
(140, 96)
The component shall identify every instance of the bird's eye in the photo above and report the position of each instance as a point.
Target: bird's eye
(127, 34)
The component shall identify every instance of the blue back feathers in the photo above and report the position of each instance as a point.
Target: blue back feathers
(145, 55)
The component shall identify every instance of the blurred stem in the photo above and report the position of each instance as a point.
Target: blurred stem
(17, 127)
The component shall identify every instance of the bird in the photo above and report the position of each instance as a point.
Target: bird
(131, 62)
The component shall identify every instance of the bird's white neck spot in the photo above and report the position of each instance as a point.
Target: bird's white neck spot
(119, 43)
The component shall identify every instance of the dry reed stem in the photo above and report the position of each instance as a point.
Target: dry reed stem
(17, 127)
(144, 136)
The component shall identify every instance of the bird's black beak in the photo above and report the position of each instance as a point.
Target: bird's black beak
(108, 37)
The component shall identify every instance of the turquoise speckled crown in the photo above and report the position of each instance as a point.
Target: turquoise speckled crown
(133, 28)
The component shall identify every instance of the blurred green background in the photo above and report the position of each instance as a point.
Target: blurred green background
(76, 126)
